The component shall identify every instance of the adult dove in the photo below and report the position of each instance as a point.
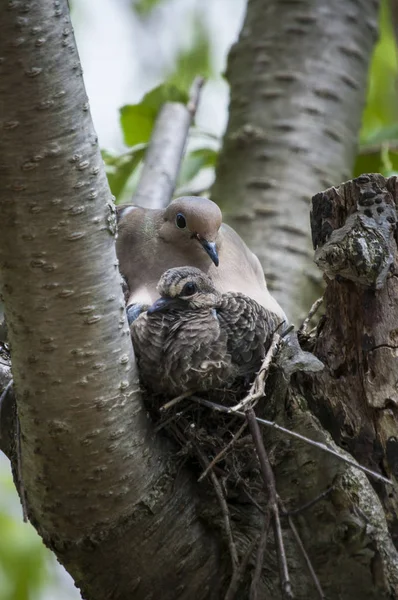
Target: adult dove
(188, 232)
(193, 338)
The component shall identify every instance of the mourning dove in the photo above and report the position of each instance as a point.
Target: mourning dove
(193, 338)
(188, 232)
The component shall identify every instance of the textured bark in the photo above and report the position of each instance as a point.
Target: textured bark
(298, 83)
(358, 336)
(94, 478)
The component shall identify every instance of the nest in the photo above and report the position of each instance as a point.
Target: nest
(211, 439)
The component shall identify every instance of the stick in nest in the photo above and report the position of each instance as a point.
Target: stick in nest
(262, 546)
(269, 483)
(302, 550)
(257, 389)
(224, 509)
(303, 438)
(239, 573)
(303, 329)
(223, 452)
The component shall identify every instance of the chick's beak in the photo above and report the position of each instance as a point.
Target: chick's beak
(211, 249)
(161, 305)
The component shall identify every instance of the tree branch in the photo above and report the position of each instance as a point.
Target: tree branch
(165, 151)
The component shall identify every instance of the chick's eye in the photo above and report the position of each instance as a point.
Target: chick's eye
(189, 289)
(180, 221)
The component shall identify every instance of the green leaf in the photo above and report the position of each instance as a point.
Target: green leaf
(379, 135)
(194, 162)
(23, 556)
(119, 169)
(380, 118)
(145, 7)
(137, 120)
(367, 163)
(383, 160)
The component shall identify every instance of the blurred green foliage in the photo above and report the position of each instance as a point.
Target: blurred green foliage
(137, 120)
(25, 565)
(194, 60)
(145, 7)
(378, 142)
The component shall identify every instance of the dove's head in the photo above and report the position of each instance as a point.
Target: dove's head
(185, 287)
(193, 220)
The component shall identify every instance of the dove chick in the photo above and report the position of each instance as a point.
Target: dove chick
(193, 338)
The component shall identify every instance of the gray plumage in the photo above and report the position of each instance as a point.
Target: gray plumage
(194, 338)
(188, 232)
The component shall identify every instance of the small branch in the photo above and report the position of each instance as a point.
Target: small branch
(237, 576)
(224, 510)
(269, 482)
(174, 401)
(194, 95)
(262, 546)
(302, 550)
(307, 505)
(165, 151)
(319, 445)
(257, 389)
(313, 310)
(164, 423)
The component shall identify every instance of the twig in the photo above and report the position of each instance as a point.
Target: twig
(224, 510)
(194, 95)
(222, 453)
(313, 310)
(324, 448)
(319, 445)
(238, 574)
(269, 483)
(257, 389)
(262, 546)
(175, 401)
(162, 424)
(300, 509)
(165, 151)
(302, 550)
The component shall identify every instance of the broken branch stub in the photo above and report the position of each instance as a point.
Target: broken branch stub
(354, 235)
(360, 249)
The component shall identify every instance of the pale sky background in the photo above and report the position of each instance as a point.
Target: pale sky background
(124, 56)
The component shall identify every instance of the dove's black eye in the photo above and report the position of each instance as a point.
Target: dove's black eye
(189, 289)
(180, 221)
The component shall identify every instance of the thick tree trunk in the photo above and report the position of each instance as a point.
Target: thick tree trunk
(97, 485)
(298, 83)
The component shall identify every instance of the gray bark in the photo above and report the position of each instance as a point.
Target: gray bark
(298, 82)
(94, 479)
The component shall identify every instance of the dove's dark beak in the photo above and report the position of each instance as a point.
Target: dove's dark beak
(163, 305)
(211, 249)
